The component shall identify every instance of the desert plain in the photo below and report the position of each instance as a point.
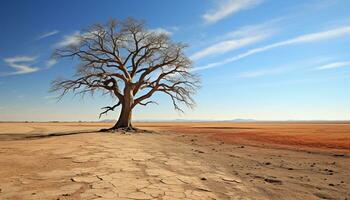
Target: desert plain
(173, 160)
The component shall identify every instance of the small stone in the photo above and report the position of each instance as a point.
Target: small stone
(274, 181)
(229, 179)
(85, 179)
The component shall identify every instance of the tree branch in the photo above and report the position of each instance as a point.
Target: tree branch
(129, 62)
(109, 108)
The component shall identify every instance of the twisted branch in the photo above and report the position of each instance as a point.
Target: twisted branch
(109, 108)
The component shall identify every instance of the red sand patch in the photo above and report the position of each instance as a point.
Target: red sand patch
(325, 136)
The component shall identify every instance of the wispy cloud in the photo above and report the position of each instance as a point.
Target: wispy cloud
(225, 46)
(48, 34)
(72, 39)
(161, 31)
(313, 37)
(75, 38)
(22, 65)
(333, 65)
(226, 8)
(50, 63)
(243, 36)
(262, 72)
(267, 27)
(298, 66)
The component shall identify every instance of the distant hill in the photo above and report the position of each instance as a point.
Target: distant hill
(243, 120)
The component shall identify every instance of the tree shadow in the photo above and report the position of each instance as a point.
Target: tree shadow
(30, 136)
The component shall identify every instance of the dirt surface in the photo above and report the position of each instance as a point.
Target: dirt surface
(317, 135)
(201, 161)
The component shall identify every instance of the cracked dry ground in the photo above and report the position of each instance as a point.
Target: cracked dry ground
(111, 166)
(94, 165)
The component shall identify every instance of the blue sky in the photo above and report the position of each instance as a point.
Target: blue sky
(258, 59)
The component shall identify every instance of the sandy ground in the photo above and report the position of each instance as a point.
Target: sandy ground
(200, 161)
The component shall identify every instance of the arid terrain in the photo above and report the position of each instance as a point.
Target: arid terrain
(217, 160)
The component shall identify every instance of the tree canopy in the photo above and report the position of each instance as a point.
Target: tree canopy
(130, 62)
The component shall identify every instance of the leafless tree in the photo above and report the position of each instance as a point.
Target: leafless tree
(130, 62)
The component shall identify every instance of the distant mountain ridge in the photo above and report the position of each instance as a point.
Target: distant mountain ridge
(243, 120)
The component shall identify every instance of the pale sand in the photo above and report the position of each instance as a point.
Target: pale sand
(94, 165)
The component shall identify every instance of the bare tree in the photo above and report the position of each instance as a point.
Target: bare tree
(130, 62)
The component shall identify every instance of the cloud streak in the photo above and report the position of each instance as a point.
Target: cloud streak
(22, 65)
(241, 37)
(263, 72)
(161, 31)
(312, 37)
(227, 8)
(50, 63)
(76, 37)
(334, 65)
(48, 34)
(281, 69)
(68, 40)
(225, 46)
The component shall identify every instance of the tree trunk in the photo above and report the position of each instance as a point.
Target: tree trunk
(124, 121)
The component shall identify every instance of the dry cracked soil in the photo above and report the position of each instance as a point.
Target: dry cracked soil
(48, 161)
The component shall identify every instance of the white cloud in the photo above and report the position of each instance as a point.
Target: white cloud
(225, 46)
(48, 34)
(313, 37)
(333, 65)
(68, 40)
(161, 31)
(228, 7)
(51, 62)
(267, 28)
(75, 38)
(243, 36)
(262, 72)
(22, 64)
(304, 64)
